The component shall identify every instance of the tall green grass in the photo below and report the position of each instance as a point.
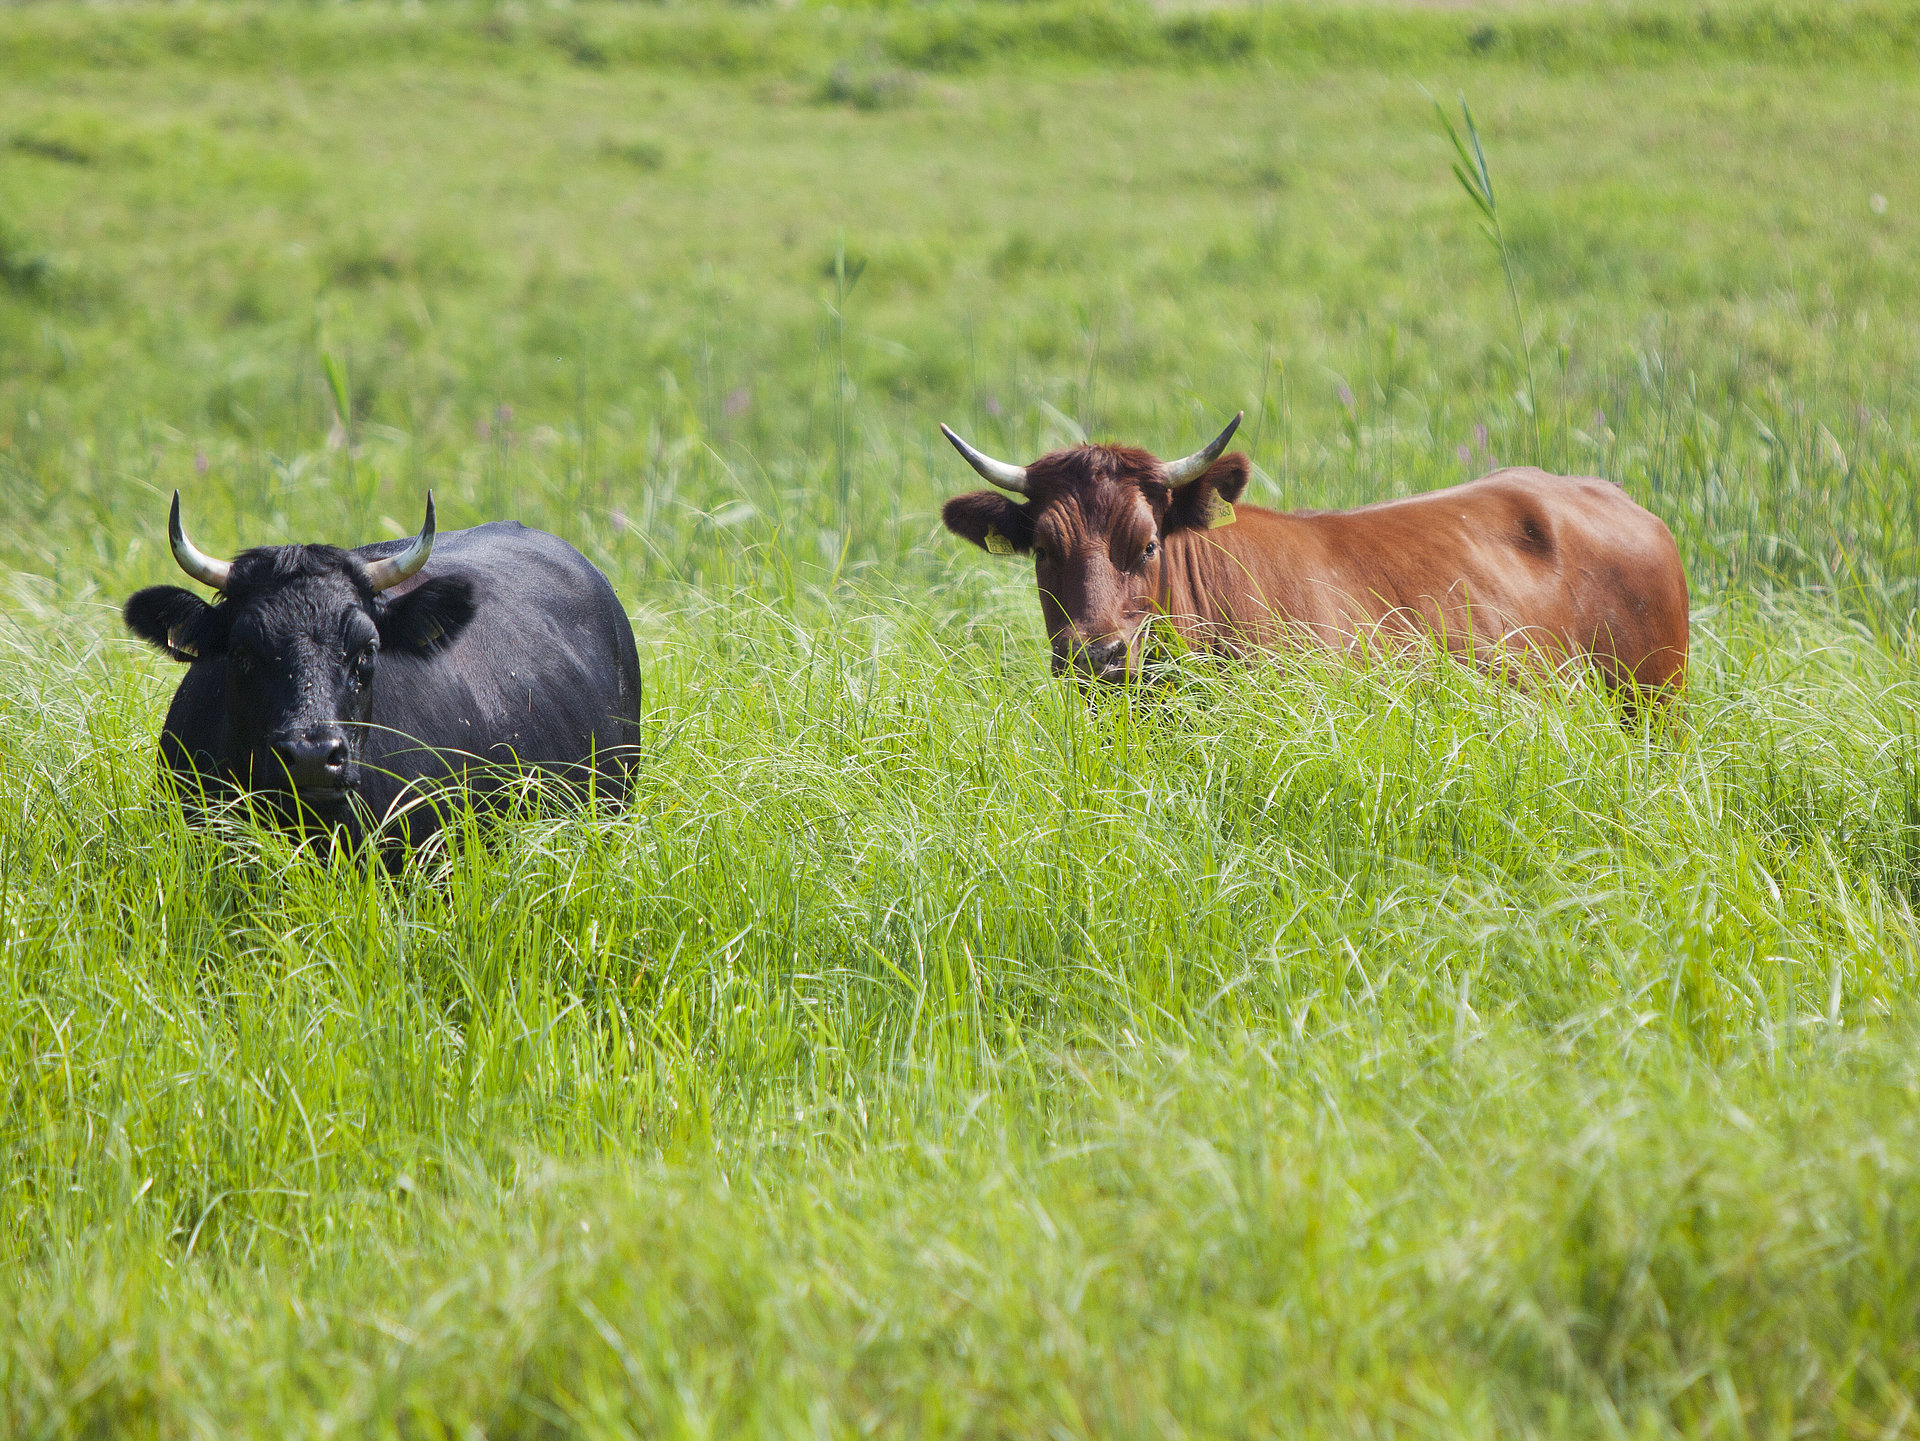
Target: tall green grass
(1375, 1034)
(927, 1050)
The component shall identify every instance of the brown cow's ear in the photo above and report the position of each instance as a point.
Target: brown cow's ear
(990, 521)
(1207, 503)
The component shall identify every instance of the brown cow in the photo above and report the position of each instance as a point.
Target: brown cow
(1518, 565)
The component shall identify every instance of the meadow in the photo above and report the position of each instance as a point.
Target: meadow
(1297, 1050)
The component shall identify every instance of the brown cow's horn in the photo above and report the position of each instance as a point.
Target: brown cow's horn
(1179, 472)
(203, 568)
(381, 574)
(1007, 477)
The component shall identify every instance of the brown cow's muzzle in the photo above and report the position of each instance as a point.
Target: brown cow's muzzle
(1110, 659)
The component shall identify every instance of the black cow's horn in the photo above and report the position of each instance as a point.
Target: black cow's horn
(1007, 477)
(1179, 472)
(203, 568)
(382, 574)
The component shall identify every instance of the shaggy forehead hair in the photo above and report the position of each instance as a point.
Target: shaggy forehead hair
(1097, 489)
(268, 568)
(1092, 467)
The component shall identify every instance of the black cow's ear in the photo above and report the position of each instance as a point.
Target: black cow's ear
(176, 621)
(428, 616)
(1207, 503)
(990, 521)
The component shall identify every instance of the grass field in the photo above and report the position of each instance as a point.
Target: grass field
(926, 1052)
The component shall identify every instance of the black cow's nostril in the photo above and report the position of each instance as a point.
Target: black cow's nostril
(312, 760)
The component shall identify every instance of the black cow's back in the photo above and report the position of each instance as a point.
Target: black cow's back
(544, 675)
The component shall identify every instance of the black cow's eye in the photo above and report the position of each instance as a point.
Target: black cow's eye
(241, 661)
(1153, 549)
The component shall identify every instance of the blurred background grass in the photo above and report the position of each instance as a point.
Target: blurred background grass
(575, 288)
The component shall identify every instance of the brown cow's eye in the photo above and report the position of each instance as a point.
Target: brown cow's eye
(1040, 553)
(1153, 549)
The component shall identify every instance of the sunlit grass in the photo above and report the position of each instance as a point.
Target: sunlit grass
(1263, 981)
(928, 1049)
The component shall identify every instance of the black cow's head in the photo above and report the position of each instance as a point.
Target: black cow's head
(298, 631)
(1095, 519)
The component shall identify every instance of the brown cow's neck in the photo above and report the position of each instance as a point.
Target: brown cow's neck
(1203, 570)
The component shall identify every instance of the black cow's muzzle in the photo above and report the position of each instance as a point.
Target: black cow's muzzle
(315, 763)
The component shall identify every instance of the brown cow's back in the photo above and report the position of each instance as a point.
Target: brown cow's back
(1518, 562)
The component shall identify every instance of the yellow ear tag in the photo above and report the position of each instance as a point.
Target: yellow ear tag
(996, 543)
(1219, 513)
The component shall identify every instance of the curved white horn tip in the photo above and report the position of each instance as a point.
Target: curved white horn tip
(1189, 467)
(391, 570)
(1220, 441)
(1007, 477)
(203, 568)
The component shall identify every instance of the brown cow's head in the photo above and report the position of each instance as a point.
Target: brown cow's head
(1096, 520)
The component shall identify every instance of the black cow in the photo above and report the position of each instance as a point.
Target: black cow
(336, 685)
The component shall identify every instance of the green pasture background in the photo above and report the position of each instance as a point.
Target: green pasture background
(1300, 1050)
